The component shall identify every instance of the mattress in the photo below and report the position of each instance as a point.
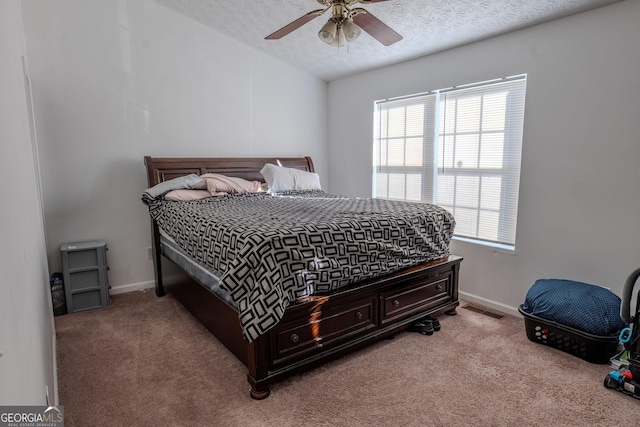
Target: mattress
(200, 272)
(273, 249)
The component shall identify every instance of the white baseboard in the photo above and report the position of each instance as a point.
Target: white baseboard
(503, 308)
(471, 298)
(123, 289)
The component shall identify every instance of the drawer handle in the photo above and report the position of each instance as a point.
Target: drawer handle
(395, 302)
(439, 287)
(358, 315)
(294, 338)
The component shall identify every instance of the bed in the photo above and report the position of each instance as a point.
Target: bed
(316, 326)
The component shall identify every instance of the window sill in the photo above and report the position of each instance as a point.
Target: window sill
(498, 247)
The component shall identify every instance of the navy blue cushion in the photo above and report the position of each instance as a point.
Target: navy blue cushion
(589, 308)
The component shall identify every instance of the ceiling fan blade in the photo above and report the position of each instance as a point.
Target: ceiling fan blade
(370, 1)
(295, 24)
(376, 28)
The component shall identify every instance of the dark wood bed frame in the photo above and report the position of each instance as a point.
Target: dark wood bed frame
(314, 329)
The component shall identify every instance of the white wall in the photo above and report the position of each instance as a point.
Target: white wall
(117, 80)
(27, 338)
(579, 210)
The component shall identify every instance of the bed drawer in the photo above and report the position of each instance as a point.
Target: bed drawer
(324, 328)
(415, 298)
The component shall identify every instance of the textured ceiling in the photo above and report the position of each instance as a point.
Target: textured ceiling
(428, 26)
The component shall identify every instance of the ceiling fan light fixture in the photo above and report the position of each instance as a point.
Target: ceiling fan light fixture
(340, 39)
(351, 31)
(345, 25)
(328, 32)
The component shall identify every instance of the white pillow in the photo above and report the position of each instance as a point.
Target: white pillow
(279, 178)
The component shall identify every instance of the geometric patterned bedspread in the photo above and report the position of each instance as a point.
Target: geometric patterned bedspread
(273, 249)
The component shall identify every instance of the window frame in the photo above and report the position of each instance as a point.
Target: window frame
(433, 167)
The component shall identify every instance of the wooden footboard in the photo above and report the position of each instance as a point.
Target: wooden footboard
(318, 329)
(322, 328)
(315, 329)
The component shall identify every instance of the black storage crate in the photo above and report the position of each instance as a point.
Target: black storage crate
(592, 348)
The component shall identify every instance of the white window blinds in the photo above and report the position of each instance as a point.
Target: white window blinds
(459, 148)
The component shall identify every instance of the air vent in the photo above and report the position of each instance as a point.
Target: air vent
(483, 310)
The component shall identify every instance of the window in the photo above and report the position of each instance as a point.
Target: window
(458, 148)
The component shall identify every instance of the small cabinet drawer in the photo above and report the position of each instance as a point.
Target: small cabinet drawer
(415, 298)
(324, 328)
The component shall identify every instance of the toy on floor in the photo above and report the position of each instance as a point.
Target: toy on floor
(627, 378)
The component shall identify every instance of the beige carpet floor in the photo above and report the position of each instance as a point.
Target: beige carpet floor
(144, 361)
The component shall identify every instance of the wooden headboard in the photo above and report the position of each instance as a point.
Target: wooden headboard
(161, 169)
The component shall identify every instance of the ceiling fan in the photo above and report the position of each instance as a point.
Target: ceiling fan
(344, 25)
